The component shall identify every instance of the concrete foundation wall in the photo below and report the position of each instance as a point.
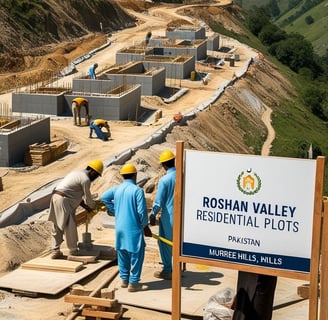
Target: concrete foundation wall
(174, 70)
(151, 84)
(187, 34)
(49, 104)
(91, 86)
(14, 144)
(213, 43)
(109, 106)
(125, 57)
(100, 106)
(199, 51)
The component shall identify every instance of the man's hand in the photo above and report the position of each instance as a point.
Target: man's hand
(85, 206)
(99, 205)
(152, 220)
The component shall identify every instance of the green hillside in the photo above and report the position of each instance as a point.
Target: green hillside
(316, 32)
(294, 120)
(295, 20)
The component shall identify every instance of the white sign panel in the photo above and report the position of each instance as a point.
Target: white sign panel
(249, 209)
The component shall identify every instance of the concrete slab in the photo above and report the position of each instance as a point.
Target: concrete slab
(199, 283)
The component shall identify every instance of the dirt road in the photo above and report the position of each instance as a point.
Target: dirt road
(18, 183)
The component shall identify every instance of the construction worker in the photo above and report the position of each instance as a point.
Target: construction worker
(97, 126)
(77, 105)
(164, 201)
(148, 36)
(127, 203)
(71, 192)
(92, 71)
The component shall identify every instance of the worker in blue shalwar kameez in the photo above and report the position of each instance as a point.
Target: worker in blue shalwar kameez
(128, 204)
(92, 71)
(164, 201)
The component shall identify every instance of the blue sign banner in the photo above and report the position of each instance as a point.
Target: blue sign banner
(245, 257)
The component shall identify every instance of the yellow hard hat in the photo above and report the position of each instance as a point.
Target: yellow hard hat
(96, 165)
(166, 155)
(128, 169)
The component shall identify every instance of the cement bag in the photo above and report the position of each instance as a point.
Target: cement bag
(216, 306)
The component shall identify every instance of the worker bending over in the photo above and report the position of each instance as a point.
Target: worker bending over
(92, 71)
(164, 201)
(97, 126)
(71, 192)
(77, 105)
(128, 204)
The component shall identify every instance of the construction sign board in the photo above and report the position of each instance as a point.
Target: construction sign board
(247, 209)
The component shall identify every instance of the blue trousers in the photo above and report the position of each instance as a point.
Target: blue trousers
(130, 265)
(165, 250)
(97, 130)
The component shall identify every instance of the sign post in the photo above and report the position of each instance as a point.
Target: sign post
(249, 213)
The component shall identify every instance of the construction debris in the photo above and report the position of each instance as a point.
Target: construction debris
(41, 154)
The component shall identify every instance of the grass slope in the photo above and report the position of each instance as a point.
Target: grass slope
(317, 32)
(295, 126)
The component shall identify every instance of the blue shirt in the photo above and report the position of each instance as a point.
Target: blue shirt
(165, 200)
(128, 203)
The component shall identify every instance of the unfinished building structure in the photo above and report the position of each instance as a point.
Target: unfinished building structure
(185, 32)
(152, 80)
(105, 100)
(176, 67)
(17, 133)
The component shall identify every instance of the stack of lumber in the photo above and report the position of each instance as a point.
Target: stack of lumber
(47, 264)
(40, 154)
(104, 307)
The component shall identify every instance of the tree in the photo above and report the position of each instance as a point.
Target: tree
(309, 19)
(314, 98)
(257, 19)
(273, 8)
(270, 34)
(295, 52)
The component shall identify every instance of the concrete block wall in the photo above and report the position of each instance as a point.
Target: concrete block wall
(184, 33)
(49, 104)
(15, 143)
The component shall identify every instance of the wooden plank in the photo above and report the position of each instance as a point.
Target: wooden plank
(83, 259)
(92, 301)
(100, 314)
(316, 235)
(59, 265)
(47, 282)
(178, 192)
(324, 262)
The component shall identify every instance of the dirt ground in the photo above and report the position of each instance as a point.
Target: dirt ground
(20, 182)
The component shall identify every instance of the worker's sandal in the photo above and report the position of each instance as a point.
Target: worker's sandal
(124, 283)
(134, 287)
(162, 275)
(56, 254)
